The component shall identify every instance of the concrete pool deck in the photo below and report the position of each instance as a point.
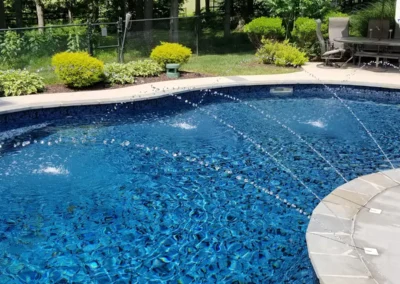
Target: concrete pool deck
(311, 74)
(342, 250)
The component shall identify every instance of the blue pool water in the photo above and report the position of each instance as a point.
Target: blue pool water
(166, 194)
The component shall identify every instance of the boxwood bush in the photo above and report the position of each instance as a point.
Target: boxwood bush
(19, 82)
(78, 69)
(305, 36)
(263, 27)
(167, 53)
(117, 73)
(280, 54)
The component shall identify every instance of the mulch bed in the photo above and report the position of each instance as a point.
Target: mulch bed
(59, 88)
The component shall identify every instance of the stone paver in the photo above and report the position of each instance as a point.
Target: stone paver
(338, 255)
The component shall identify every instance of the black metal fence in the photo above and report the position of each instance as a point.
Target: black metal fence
(34, 46)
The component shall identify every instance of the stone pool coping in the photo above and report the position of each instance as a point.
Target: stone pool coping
(353, 235)
(310, 74)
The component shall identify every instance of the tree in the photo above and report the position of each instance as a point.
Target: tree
(18, 13)
(3, 24)
(227, 20)
(197, 8)
(40, 13)
(207, 6)
(148, 14)
(174, 22)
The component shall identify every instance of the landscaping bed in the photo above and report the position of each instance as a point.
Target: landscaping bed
(60, 88)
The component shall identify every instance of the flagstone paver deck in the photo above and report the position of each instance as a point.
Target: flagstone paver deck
(353, 235)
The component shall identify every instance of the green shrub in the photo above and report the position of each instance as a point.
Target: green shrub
(280, 54)
(305, 36)
(117, 73)
(11, 45)
(263, 27)
(359, 20)
(170, 53)
(19, 82)
(78, 69)
(145, 68)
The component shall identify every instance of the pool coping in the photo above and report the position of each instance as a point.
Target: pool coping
(163, 88)
(347, 237)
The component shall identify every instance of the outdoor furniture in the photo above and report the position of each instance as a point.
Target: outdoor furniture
(356, 42)
(378, 28)
(332, 50)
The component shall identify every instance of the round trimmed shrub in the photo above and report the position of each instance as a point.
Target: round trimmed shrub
(263, 27)
(167, 53)
(305, 36)
(78, 69)
(19, 82)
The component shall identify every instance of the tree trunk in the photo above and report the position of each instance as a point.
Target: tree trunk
(250, 8)
(197, 8)
(174, 21)
(18, 13)
(70, 18)
(139, 14)
(227, 21)
(40, 14)
(207, 6)
(148, 24)
(2, 16)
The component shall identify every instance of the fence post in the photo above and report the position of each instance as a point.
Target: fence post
(89, 38)
(120, 36)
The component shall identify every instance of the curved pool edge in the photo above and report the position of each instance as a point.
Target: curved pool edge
(361, 247)
(162, 89)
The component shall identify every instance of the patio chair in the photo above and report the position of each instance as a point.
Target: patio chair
(378, 28)
(331, 50)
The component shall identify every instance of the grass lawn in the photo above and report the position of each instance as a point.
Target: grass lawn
(218, 65)
(231, 65)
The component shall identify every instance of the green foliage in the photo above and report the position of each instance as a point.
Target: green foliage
(19, 82)
(359, 20)
(74, 42)
(289, 10)
(10, 46)
(117, 73)
(280, 54)
(18, 49)
(304, 35)
(264, 27)
(78, 69)
(145, 68)
(167, 53)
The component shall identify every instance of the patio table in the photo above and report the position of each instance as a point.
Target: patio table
(357, 41)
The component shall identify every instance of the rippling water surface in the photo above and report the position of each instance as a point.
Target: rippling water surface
(168, 196)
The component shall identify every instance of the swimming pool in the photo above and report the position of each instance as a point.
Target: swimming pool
(161, 191)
